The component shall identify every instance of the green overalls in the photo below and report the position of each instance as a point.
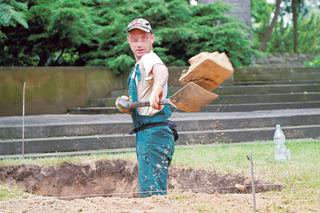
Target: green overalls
(154, 146)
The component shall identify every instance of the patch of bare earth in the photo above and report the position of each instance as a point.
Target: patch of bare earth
(110, 186)
(182, 202)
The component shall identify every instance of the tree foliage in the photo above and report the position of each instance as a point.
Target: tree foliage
(12, 13)
(313, 63)
(93, 32)
(283, 33)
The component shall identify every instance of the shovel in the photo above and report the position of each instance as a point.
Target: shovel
(190, 98)
(208, 70)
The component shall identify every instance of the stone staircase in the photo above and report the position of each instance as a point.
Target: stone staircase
(255, 88)
(62, 133)
(235, 98)
(249, 107)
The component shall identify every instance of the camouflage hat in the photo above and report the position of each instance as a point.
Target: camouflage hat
(141, 24)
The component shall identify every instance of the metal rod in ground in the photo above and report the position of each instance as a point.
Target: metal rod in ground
(250, 158)
(23, 114)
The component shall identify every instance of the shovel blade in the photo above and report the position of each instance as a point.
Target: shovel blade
(208, 70)
(192, 98)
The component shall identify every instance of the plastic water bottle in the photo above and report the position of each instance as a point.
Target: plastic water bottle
(281, 153)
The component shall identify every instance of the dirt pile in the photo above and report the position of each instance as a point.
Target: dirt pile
(117, 178)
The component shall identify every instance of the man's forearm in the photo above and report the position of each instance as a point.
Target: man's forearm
(160, 75)
(160, 78)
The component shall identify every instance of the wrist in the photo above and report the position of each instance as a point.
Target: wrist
(157, 85)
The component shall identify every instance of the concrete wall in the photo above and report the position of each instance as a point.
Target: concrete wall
(285, 59)
(240, 8)
(52, 90)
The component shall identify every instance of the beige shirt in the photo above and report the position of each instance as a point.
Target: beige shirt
(148, 62)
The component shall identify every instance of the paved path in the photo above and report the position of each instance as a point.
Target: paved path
(34, 120)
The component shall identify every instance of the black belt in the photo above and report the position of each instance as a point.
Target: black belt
(169, 123)
(149, 125)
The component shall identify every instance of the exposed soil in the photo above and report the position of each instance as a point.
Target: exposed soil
(118, 178)
(172, 203)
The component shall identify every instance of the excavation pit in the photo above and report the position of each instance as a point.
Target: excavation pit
(118, 178)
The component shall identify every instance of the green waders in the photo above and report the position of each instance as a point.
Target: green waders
(154, 146)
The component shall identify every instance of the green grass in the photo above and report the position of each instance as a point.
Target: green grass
(232, 158)
(300, 175)
(7, 192)
(49, 161)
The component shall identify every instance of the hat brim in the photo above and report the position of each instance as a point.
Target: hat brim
(139, 28)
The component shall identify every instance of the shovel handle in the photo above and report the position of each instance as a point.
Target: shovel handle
(135, 105)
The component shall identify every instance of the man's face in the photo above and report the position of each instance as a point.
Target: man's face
(140, 42)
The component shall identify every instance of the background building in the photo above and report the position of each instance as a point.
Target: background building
(241, 8)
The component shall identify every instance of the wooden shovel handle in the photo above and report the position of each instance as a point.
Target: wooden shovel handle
(135, 105)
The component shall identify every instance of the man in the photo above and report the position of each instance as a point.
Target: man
(148, 82)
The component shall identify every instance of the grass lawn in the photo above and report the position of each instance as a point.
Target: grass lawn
(300, 175)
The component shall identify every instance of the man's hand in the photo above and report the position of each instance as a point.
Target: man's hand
(156, 96)
(122, 103)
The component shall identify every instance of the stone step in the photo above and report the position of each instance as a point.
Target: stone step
(93, 110)
(102, 102)
(260, 106)
(238, 99)
(213, 107)
(184, 121)
(268, 98)
(249, 134)
(247, 89)
(275, 82)
(267, 89)
(262, 74)
(63, 144)
(115, 141)
(270, 74)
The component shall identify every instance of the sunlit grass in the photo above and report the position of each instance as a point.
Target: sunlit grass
(7, 192)
(300, 175)
(232, 158)
(49, 161)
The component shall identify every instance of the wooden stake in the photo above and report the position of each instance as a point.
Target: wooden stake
(250, 158)
(23, 114)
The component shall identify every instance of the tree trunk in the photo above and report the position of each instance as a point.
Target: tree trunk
(43, 58)
(295, 25)
(57, 59)
(271, 26)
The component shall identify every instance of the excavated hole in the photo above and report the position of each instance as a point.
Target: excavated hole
(118, 178)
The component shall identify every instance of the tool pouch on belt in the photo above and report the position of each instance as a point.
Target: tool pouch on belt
(172, 125)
